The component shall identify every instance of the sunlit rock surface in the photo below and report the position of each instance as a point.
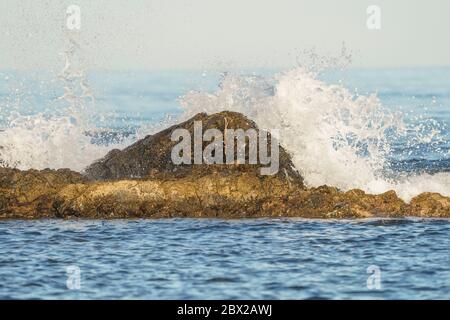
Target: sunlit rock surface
(30, 194)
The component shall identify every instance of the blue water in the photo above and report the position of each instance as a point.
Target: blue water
(252, 259)
(215, 259)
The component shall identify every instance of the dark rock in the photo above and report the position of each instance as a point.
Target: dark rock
(151, 156)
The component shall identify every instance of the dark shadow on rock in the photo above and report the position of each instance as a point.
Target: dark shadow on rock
(151, 156)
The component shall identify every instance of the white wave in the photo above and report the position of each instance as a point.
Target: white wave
(38, 142)
(334, 137)
(57, 141)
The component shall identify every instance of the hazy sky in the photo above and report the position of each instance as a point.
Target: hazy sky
(139, 34)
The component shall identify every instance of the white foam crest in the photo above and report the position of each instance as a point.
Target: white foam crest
(38, 142)
(335, 137)
(411, 186)
(59, 140)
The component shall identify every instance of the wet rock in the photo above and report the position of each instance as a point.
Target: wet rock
(329, 202)
(142, 182)
(430, 205)
(66, 194)
(30, 194)
(216, 195)
(367, 205)
(151, 156)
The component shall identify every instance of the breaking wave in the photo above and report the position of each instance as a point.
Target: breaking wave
(335, 137)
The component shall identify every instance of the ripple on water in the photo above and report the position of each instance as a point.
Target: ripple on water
(207, 259)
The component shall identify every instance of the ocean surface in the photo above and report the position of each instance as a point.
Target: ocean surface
(217, 259)
(360, 128)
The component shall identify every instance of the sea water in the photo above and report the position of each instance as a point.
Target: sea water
(370, 129)
(217, 259)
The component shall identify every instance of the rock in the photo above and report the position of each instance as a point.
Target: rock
(142, 182)
(238, 195)
(430, 205)
(30, 194)
(65, 194)
(329, 202)
(216, 195)
(367, 205)
(151, 156)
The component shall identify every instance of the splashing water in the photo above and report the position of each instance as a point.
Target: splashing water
(59, 139)
(335, 137)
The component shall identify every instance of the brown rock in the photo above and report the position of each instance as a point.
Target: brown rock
(430, 205)
(164, 190)
(151, 156)
(231, 196)
(30, 194)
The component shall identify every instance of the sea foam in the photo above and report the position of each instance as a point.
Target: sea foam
(335, 137)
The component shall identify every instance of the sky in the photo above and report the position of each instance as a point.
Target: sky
(207, 34)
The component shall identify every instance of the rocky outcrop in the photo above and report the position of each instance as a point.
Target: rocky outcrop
(141, 182)
(151, 156)
(238, 195)
(30, 194)
(430, 205)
